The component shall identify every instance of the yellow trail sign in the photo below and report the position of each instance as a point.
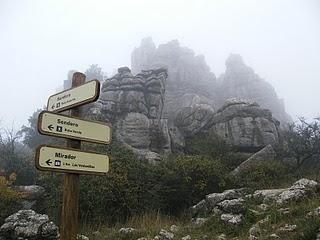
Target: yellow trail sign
(77, 96)
(71, 161)
(59, 125)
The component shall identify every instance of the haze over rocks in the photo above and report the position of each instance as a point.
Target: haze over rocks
(189, 74)
(171, 95)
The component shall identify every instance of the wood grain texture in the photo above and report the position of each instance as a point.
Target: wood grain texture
(70, 204)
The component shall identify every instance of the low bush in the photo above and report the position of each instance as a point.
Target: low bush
(269, 174)
(9, 202)
(134, 187)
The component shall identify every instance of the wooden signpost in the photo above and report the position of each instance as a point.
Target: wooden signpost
(78, 95)
(59, 125)
(71, 160)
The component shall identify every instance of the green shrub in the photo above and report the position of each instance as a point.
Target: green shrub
(269, 174)
(9, 202)
(187, 180)
(207, 144)
(134, 187)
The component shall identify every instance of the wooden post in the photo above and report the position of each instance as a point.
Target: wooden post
(70, 204)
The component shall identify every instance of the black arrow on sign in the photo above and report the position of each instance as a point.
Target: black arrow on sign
(50, 127)
(48, 162)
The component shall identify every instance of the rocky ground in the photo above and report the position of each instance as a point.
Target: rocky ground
(288, 213)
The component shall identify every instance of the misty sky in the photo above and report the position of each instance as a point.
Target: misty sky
(40, 41)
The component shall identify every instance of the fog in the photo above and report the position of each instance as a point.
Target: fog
(40, 41)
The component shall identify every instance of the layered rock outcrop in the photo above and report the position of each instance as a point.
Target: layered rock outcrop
(245, 125)
(134, 106)
(240, 81)
(240, 123)
(174, 95)
(189, 74)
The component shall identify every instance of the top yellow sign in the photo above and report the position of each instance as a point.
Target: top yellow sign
(86, 93)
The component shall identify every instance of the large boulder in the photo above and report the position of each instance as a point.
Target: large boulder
(230, 201)
(298, 191)
(27, 224)
(245, 125)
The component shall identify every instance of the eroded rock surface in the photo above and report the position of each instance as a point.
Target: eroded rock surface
(231, 205)
(188, 74)
(134, 106)
(240, 81)
(27, 224)
(245, 125)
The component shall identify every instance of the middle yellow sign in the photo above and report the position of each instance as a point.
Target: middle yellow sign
(59, 125)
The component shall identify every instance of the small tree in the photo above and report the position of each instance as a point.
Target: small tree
(94, 72)
(303, 140)
(15, 157)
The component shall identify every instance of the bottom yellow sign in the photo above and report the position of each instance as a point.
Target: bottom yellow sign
(71, 161)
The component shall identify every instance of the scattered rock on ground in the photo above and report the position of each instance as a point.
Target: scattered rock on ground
(188, 237)
(27, 224)
(198, 222)
(232, 206)
(234, 219)
(174, 228)
(315, 212)
(268, 195)
(126, 230)
(299, 190)
(254, 232)
(82, 237)
(165, 235)
(288, 228)
(274, 236)
(222, 237)
(284, 211)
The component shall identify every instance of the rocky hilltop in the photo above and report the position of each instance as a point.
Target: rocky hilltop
(189, 76)
(134, 105)
(241, 82)
(171, 95)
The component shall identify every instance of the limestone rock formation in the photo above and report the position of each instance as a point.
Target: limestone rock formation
(174, 95)
(245, 125)
(134, 105)
(26, 224)
(188, 74)
(192, 120)
(240, 81)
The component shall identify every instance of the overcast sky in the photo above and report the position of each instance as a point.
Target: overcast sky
(40, 41)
